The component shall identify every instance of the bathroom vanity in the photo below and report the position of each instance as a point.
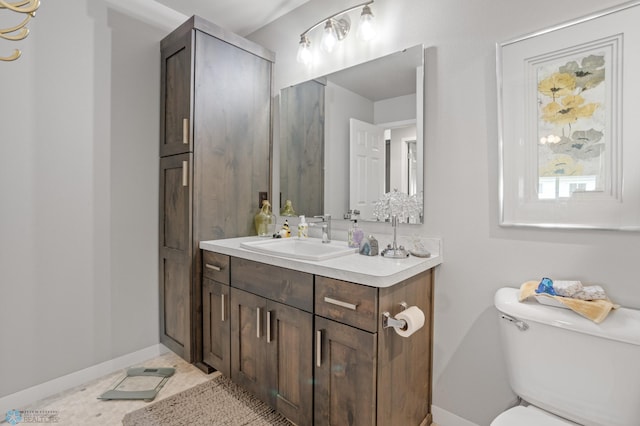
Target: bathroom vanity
(308, 338)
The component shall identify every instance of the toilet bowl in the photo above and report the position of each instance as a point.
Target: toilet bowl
(566, 368)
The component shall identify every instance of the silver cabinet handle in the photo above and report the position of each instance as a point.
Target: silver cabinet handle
(258, 323)
(341, 303)
(185, 173)
(222, 313)
(214, 267)
(185, 131)
(319, 348)
(268, 326)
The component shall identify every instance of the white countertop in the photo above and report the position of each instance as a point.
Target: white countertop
(374, 271)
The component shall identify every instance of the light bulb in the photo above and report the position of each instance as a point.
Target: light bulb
(304, 51)
(329, 38)
(367, 28)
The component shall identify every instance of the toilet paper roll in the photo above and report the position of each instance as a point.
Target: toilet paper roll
(414, 318)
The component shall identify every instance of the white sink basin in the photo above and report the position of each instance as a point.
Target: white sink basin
(306, 249)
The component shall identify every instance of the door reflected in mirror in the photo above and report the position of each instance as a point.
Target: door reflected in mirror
(329, 167)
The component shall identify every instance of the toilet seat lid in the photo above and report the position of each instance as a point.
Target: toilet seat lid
(528, 416)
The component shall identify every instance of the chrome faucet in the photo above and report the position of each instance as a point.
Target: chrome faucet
(325, 224)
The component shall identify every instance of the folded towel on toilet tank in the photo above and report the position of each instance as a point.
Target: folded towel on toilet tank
(595, 310)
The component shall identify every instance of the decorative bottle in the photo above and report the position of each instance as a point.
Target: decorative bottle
(285, 232)
(303, 228)
(264, 219)
(355, 235)
(288, 209)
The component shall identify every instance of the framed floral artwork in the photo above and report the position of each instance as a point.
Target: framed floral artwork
(569, 124)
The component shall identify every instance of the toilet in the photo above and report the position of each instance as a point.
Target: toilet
(567, 369)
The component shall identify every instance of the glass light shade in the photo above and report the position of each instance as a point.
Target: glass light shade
(329, 38)
(304, 51)
(367, 27)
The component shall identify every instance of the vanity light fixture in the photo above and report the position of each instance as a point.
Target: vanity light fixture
(334, 31)
(336, 28)
(20, 31)
(304, 50)
(367, 28)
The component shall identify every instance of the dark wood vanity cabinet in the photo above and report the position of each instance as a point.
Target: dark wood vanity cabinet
(216, 323)
(175, 254)
(215, 133)
(366, 374)
(175, 117)
(345, 374)
(346, 352)
(315, 349)
(271, 342)
(271, 349)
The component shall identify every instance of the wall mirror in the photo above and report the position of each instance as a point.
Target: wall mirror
(350, 137)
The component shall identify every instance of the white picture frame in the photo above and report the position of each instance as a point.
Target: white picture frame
(569, 124)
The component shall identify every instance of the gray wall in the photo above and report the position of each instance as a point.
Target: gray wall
(79, 190)
(461, 179)
(341, 105)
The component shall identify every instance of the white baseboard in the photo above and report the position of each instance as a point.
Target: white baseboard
(443, 417)
(35, 393)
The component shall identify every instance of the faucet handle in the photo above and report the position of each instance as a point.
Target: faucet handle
(326, 227)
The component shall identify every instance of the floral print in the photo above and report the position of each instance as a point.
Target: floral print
(571, 133)
(557, 85)
(569, 110)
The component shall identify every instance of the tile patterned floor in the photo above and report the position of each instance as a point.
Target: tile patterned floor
(80, 406)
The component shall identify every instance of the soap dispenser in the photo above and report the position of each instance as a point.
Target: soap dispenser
(303, 228)
(355, 235)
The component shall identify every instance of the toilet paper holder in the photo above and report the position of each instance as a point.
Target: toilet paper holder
(389, 321)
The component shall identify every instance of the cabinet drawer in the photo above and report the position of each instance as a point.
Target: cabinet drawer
(282, 285)
(215, 266)
(346, 302)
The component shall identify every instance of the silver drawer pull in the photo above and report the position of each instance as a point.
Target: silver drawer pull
(319, 348)
(341, 303)
(222, 313)
(185, 131)
(268, 326)
(185, 173)
(258, 323)
(214, 267)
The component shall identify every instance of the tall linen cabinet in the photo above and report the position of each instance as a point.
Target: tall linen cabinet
(215, 141)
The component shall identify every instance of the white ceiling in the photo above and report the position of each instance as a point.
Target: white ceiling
(383, 78)
(239, 16)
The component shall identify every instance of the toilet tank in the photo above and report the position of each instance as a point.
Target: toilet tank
(570, 366)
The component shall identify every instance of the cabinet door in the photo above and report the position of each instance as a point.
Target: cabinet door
(215, 327)
(175, 96)
(231, 131)
(248, 355)
(289, 340)
(345, 374)
(175, 254)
